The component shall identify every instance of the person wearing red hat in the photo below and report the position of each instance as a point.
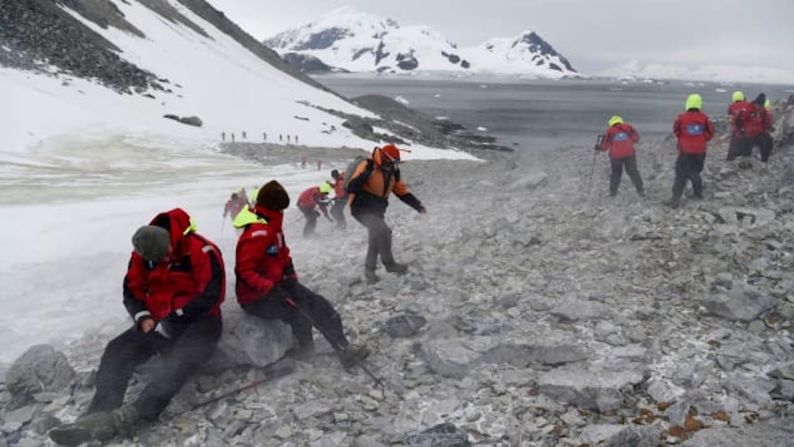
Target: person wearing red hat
(175, 281)
(267, 283)
(369, 187)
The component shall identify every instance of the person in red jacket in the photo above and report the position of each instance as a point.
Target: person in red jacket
(619, 140)
(738, 105)
(316, 196)
(235, 204)
(267, 284)
(753, 125)
(340, 199)
(175, 281)
(694, 130)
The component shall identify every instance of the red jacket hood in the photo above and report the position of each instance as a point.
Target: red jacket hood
(178, 224)
(275, 219)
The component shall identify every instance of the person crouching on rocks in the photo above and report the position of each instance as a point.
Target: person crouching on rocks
(694, 130)
(619, 140)
(176, 280)
(267, 284)
(369, 187)
(309, 200)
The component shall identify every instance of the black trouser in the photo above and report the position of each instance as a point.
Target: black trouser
(313, 304)
(338, 212)
(735, 148)
(311, 216)
(630, 163)
(688, 167)
(379, 239)
(183, 355)
(763, 141)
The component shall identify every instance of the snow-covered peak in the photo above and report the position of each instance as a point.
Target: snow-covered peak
(361, 42)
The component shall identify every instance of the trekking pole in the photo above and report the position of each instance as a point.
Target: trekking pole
(334, 343)
(599, 140)
(276, 370)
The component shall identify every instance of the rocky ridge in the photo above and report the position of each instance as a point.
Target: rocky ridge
(537, 312)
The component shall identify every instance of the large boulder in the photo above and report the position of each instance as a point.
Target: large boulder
(589, 388)
(253, 341)
(450, 357)
(40, 369)
(738, 304)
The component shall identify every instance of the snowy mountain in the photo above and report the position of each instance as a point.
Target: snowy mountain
(717, 73)
(116, 67)
(361, 42)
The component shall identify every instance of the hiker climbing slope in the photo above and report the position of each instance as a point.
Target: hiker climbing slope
(694, 130)
(369, 187)
(738, 105)
(619, 140)
(753, 125)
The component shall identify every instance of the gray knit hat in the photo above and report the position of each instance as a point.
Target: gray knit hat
(151, 242)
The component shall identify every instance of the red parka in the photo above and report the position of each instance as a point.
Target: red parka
(619, 141)
(694, 130)
(189, 283)
(735, 107)
(753, 121)
(263, 258)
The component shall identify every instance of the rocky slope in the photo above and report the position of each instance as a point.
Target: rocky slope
(537, 312)
(359, 42)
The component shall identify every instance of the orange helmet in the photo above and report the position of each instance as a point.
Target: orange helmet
(391, 152)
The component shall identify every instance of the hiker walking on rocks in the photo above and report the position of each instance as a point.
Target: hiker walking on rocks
(340, 199)
(235, 204)
(369, 187)
(223, 136)
(694, 130)
(309, 200)
(267, 284)
(619, 140)
(264, 137)
(753, 125)
(738, 105)
(175, 281)
(232, 137)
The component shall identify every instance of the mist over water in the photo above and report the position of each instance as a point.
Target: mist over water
(543, 115)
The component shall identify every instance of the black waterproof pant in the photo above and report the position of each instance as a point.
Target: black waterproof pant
(312, 304)
(311, 216)
(182, 356)
(763, 141)
(735, 148)
(630, 163)
(379, 239)
(688, 167)
(338, 213)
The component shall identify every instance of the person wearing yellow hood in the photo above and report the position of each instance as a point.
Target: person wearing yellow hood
(309, 200)
(694, 130)
(738, 106)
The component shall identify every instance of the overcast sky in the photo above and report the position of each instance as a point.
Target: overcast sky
(593, 34)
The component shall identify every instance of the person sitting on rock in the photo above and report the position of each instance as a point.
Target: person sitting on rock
(738, 105)
(619, 140)
(309, 200)
(175, 280)
(340, 199)
(267, 283)
(753, 124)
(694, 130)
(369, 187)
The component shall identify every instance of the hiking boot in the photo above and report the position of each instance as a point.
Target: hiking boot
(352, 355)
(100, 426)
(370, 276)
(396, 268)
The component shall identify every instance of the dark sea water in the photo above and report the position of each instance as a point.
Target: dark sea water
(536, 115)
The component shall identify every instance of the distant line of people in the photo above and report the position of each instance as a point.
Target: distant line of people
(244, 134)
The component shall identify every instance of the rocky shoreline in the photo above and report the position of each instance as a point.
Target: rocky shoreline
(537, 312)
